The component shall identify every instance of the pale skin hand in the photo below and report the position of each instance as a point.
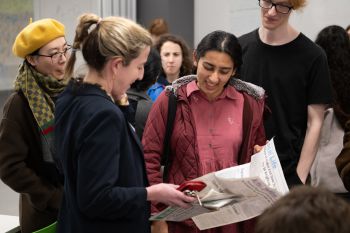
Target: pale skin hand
(312, 136)
(167, 194)
(159, 227)
(258, 148)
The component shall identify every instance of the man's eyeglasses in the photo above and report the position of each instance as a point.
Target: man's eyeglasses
(280, 8)
(57, 55)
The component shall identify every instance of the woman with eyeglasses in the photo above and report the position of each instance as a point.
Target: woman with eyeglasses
(26, 130)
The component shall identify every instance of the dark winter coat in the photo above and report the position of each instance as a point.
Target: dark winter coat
(22, 166)
(103, 165)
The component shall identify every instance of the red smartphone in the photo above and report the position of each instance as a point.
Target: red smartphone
(192, 185)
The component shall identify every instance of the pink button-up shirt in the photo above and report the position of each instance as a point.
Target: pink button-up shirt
(218, 125)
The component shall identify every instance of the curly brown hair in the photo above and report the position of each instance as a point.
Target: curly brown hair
(335, 42)
(186, 67)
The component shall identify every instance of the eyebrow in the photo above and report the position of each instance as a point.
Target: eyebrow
(286, 3)
(165, 52)
(56, 48)
(220, 67)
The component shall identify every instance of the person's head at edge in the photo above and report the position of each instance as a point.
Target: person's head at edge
(175, 56)
(157, 28)
(115, 52)
(275, 14)
(348, 30)
(43, 46)
(335, 41)
(152, 70)
(306, 209)
(218, 57)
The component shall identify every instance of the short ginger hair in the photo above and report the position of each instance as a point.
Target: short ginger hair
(158, 27)
(297, 4)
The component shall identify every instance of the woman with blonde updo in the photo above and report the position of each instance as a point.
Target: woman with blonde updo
(105, 186)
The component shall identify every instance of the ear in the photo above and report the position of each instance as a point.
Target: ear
(233, 72)
(116, 64)
(32, 60)
(194, 54)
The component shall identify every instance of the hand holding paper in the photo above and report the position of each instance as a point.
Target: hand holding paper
(167, 194)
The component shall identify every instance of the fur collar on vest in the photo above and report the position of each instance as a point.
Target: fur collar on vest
(242, 86)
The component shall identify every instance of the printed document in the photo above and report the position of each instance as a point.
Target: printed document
(235, 194)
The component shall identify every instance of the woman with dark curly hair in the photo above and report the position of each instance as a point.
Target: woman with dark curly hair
(176, 62)
(335, 42)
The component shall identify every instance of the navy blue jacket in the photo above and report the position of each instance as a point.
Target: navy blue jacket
(102, 163)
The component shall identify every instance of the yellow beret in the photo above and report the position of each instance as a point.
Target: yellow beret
(36, 35)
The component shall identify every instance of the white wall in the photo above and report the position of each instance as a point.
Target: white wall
(321, 13)
(68, 11)
(242, 16)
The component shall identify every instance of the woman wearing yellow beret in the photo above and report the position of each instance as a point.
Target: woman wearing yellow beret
(26, 130)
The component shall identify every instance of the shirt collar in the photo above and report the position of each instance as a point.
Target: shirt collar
(229, 91)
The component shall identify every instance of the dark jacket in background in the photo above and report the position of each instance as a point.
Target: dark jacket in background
(141, 104)
(343, 160)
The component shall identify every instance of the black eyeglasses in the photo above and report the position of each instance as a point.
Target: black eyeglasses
(280, 8)
(57, 55)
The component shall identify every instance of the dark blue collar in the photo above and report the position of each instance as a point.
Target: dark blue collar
(162, 80)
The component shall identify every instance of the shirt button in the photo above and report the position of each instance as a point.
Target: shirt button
(209, 145)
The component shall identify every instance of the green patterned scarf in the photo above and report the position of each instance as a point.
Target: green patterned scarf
(39, 90)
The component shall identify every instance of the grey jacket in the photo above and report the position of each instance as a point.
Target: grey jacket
(144, 104)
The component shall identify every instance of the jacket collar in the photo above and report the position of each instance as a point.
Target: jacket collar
(162, 80)
(253, 90)
(79, 88)
(135, 95)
